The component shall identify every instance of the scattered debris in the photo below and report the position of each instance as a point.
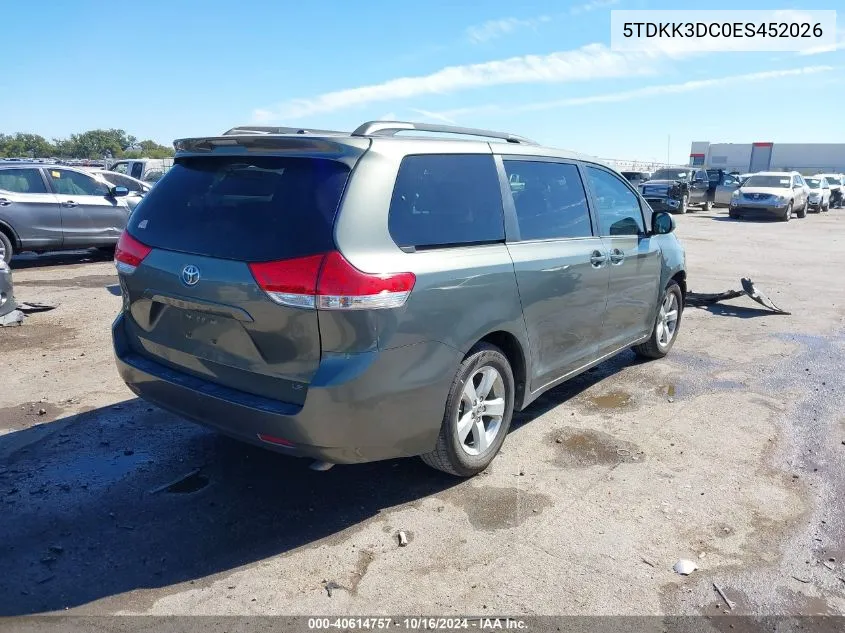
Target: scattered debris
(623, 452)
(403, 538)
(685, 567)
(700, 299)
(331, 586)
(804, 580)
(56, 549)
(10, 319)
(648, 562)
(32, 308)
(42, 411)
(727, 600)
(173, 484)
(45, 579)
(702, 555)
(829, 565)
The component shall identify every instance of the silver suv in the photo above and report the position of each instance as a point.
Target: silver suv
(365, 296)
(54, 207)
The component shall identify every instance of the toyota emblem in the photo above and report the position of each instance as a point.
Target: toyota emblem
(190, 275)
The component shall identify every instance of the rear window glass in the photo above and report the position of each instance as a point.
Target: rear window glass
(22, 181)
(245, 208)
(446, 200)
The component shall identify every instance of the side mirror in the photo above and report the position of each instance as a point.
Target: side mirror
(662, 223)
(119, 192)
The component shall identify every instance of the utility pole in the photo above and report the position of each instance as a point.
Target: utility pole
(668, 149)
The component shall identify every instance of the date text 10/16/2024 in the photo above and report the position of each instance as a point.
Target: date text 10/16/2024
(417, 624)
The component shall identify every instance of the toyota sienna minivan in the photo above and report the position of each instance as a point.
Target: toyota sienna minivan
(351, 297)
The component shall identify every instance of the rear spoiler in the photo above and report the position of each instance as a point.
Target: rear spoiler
(338, 148)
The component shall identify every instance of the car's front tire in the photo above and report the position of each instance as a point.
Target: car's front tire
(666, 325)
(787, 216)
(478, 413)
(802, 213)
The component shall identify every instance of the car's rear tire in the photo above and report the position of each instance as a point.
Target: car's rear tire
(666, 324)
(6, 248)
(708, 205)
(478, 413)
(787, 216)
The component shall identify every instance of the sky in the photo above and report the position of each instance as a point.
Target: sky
(541, 69)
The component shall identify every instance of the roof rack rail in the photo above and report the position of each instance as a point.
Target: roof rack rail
(261, 129)
(390, 128)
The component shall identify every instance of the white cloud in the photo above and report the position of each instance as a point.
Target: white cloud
(594, 61)
(645, 92)
(436, 116)
(578, 9)
(492, 29)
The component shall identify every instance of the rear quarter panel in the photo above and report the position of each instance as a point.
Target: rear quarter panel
(461, 294)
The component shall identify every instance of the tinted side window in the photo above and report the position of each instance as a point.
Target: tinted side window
(22, 181)
(137, 170)
(72, 183)
(550, 200)
(123, 181)
(443, 200)
(618, 207)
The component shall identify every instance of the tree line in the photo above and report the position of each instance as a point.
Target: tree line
(93, 144)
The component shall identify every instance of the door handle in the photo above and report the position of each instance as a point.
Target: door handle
(4, 202)
(597, 259)
(70, 203)
(616, 256)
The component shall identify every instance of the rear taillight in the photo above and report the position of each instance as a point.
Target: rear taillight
(291, 282)
(129, 253)
(329, 282)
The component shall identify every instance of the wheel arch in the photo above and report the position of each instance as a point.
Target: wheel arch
(7, 229)
(514, 351)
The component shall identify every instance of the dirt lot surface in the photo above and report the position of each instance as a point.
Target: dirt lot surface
(728, 453)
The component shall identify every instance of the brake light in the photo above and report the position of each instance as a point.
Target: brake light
(343, 287)
(291, 282)
(129, 253)
(330, 282)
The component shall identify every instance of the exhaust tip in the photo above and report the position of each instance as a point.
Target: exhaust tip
(320, 466)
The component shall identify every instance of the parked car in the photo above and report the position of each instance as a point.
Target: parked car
(771, 193)
(837, 189)
(819, 198)
(136, 188)
(357, 297)
(675, 189)
(636, 178)
(53, 207)
(147, 169)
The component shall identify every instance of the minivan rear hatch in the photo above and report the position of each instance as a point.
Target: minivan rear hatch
(198, 296)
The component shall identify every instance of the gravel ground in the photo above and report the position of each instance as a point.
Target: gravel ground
(727, 453)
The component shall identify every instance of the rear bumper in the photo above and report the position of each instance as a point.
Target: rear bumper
(359, 407)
